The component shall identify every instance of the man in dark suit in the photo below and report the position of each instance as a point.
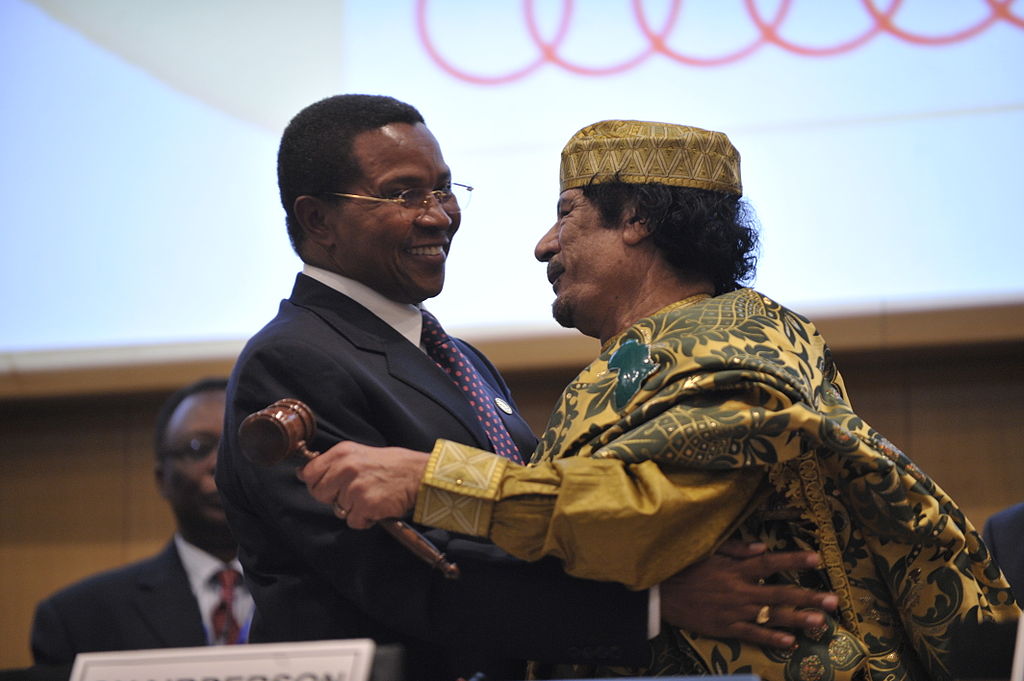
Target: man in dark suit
(371, 210)
(1004, 535)
(166, 600)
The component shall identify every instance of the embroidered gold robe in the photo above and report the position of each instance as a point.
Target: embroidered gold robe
(726, 417)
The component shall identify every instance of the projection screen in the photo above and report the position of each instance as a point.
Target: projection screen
(881, 144)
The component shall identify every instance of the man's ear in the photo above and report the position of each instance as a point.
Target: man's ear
(635, 229)
(160, 475)
(311, 214)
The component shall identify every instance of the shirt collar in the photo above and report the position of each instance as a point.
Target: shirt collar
(199, 565)
(402, 317)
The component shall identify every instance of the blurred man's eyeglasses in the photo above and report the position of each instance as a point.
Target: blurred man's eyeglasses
(196, 449)
(452, 198)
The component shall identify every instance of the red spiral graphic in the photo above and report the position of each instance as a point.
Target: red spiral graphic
(770, 32)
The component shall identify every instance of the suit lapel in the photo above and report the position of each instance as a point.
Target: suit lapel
(164, 601)
(405, 362)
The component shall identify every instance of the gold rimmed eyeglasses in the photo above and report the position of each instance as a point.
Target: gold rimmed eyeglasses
(452, 198)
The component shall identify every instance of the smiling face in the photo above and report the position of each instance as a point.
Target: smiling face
(588, 267)
(399, 252)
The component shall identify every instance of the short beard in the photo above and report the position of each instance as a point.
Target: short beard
(562, 311)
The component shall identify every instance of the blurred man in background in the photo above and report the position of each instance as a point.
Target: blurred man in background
(189, 594)
(1004, 534)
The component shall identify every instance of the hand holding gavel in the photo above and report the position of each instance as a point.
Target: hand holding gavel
(271, 434)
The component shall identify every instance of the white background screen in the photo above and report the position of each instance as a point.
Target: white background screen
(881, 145)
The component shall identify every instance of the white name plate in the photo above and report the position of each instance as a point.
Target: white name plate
(348, 660)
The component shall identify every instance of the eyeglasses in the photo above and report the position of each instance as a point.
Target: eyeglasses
(196, 449)
(452, 198)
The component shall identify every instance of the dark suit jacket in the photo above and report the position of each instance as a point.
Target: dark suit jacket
(148, 604)
(1004, 535)
(314, 578)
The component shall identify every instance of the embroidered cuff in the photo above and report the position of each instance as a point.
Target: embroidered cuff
(459, 489)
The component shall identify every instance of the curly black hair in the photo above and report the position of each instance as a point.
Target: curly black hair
(703, 234)
(315, 155)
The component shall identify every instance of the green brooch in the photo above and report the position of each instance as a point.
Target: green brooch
(633, 362)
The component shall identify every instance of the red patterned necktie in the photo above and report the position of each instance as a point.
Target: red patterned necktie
(223, 622)
(447, 355)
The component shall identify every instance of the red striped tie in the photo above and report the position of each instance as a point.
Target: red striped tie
(224, 624)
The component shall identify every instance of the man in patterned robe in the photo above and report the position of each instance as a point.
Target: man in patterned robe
(712, 412)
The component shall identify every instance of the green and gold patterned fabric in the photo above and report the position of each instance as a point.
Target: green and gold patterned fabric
(722, 418)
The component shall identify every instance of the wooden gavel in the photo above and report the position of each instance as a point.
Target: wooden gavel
(271, 434)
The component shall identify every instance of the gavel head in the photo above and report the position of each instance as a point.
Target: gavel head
(271, 434)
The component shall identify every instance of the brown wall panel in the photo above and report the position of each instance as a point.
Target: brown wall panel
(78, 496)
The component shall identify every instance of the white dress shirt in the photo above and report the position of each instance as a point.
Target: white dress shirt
(402, 317)
(202, 570)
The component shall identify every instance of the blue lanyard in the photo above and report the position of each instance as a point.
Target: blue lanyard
(243, 631)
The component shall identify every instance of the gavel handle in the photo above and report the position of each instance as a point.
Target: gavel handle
(408, 536)
(420, 545)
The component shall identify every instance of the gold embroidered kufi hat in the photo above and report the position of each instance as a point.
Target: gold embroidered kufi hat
(638, 152)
